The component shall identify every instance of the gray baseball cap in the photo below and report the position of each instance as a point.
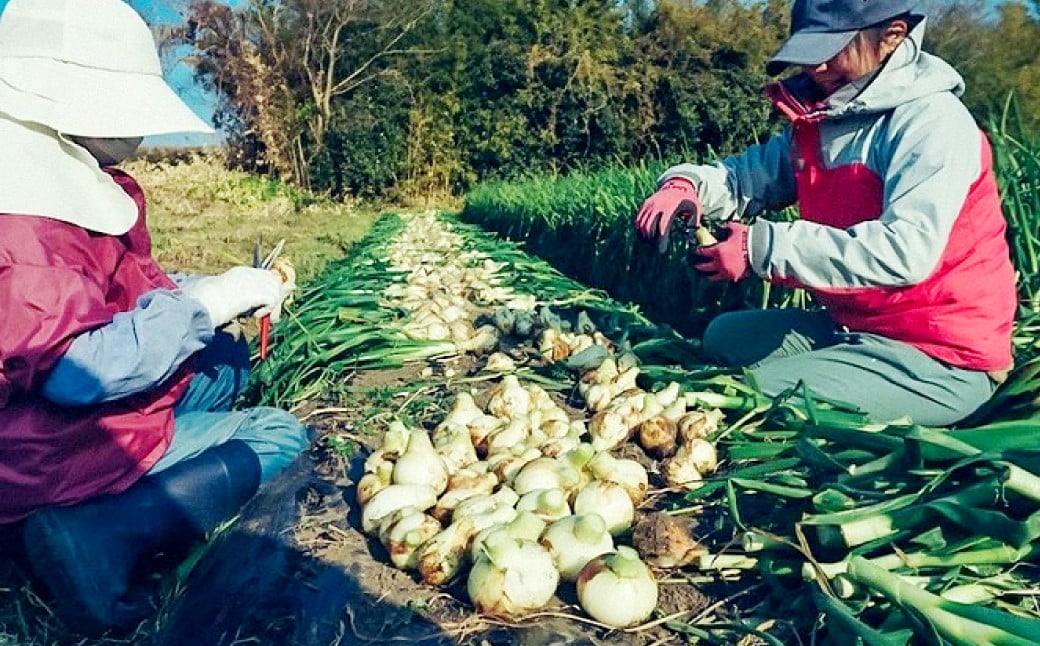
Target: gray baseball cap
(822, 28)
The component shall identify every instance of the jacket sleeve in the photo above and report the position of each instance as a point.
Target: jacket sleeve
(760, 178)
(135, 352)
(928, 159)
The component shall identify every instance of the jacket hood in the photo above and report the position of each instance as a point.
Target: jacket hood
(909, 74)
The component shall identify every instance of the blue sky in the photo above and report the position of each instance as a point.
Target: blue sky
(180, 77)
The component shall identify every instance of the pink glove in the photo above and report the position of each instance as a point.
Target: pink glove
(727, 259)
(676, 197)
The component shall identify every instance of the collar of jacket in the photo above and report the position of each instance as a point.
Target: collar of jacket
(798, 99)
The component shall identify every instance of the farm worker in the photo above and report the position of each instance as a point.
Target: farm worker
(900, 236)
(116, 440)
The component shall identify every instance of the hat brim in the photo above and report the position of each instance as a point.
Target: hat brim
(809, 48)
(87, 102)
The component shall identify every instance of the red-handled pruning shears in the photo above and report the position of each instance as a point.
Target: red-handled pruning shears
(264, 262)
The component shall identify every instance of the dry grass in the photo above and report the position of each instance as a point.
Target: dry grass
(205, 218)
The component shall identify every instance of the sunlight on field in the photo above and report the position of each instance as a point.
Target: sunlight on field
(205, 218)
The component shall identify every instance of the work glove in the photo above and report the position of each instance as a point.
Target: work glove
(676, 198)
(726, 259)
(240, 291)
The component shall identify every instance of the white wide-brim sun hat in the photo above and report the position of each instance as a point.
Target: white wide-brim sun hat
(87, 68)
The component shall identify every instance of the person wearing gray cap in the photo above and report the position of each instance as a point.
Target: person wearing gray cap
(116, 438)
(901, 236)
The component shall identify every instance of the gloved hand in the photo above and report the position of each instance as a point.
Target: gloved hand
(727, 259)
(677, 197)
(239, 291)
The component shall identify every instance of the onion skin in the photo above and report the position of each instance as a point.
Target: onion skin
(617, 589)
(392, 498)
(610, 501)
(573, 541)
(512, 577)
(698, 424)
(657, 436)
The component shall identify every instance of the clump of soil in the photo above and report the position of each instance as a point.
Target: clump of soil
(666, 541)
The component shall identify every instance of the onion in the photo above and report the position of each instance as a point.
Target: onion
(478, 505)
(509, 399)
(675, 410)
(573, 541)
(463, 411)
(555, 424)
(703, 456)
(445, 507)
(512, 577)
(402, 537)
(598, 397)
(483, 341)
(617, 589)
(455, 448)
(371, 483)
(442, 557)
(500, 362)
(525, 525)
(628, 473)
(625, 380)
(657, 436)
(554, 447)
(545, 473)
(552, 347)
(514, 433)
(540, 399)
(605, 374)
(480, 428)
(610, 501)
(547, 504)
(668, 395)
(506, 464)
(473, 476)
(680, 470)
(394, 497)
(395, 442)
(608, 430)
(421, 464)
(699, 424)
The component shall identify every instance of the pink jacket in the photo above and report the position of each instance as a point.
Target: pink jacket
(963, 313)
(56, 281)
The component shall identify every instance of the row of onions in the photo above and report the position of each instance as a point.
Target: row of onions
(833, 514)
(518, 494)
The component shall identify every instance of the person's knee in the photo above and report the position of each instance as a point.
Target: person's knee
(720, 340)
(277, 437)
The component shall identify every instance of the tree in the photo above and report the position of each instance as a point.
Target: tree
(282, 64)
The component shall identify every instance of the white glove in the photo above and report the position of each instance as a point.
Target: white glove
(239, 291)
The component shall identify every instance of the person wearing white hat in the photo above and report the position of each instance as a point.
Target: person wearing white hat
(901, 235)
(116, 436)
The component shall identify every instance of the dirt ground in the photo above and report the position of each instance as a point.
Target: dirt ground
(296, 569)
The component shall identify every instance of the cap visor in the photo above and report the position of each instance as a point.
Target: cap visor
(92, 102)
(809, 48)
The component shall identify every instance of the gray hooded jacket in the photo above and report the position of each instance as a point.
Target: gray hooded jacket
(906, 124)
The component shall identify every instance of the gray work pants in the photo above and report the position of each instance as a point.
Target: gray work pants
(884, 378)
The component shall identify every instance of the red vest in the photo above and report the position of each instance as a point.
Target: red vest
(963, 313)
(58, 280)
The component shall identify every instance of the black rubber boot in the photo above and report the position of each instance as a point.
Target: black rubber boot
(86, 553)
